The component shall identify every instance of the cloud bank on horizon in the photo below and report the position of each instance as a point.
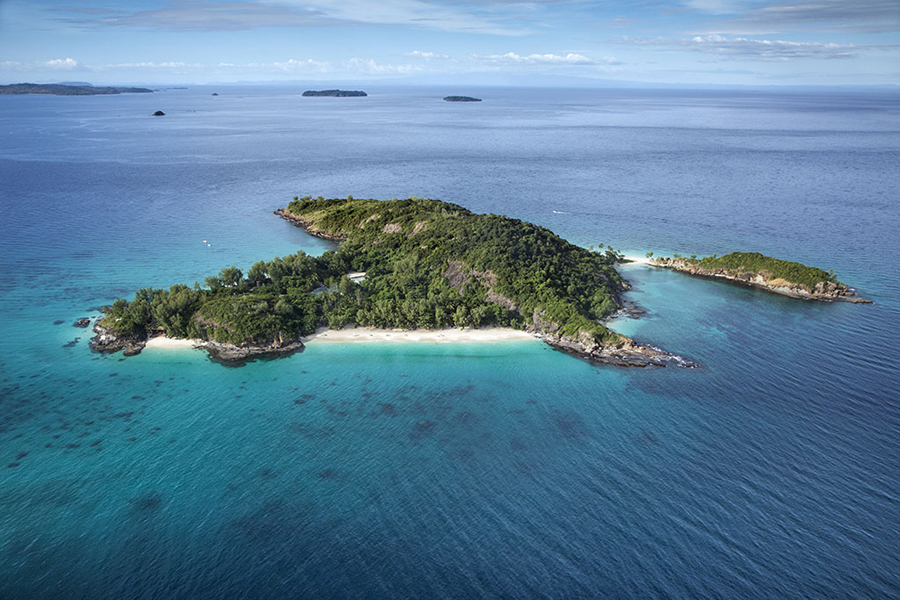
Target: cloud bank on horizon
(755, 42)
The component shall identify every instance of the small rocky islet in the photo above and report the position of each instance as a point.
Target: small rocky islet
(786, 278)
(334, 93)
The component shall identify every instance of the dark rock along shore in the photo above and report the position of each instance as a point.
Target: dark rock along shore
(108, 343)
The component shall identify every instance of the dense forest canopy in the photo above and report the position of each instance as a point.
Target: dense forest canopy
(428, 264)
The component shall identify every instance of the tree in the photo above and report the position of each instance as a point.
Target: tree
(649, 255)
(257, 273)
(231, 276)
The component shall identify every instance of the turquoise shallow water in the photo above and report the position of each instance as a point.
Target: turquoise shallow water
(423, 470)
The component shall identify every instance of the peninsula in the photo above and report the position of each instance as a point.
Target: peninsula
(461, 99)
(60, 89)
(401, 264)
(771, 274)
(335, 93)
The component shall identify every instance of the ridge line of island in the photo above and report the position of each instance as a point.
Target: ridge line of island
(414, 264)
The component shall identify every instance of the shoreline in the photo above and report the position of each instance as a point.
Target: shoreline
(371, 334)
(167, 343)
(434, 336)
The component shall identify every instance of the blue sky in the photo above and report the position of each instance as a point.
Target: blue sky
(743, 42)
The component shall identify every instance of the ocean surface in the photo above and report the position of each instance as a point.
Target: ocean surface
(458, 470)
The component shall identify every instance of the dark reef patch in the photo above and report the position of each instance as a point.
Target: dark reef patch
(387, 409)
(570, 425)
(423, 428)
(149, 502)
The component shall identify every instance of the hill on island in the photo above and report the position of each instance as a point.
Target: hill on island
(428, 264)
(61, 89)
(335, 93)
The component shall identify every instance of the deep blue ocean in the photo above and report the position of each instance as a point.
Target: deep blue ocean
(455, 470)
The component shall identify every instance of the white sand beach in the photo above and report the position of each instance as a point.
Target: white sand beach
(638, 260)
(168, 343)
(369, 334)
(437, 336)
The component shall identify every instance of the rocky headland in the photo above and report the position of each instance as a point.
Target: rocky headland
(309, 226)
(106, 341)
(62, 89)
(743, 271)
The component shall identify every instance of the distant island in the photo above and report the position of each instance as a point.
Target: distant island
(61, 89)
(783, 277)
(335, 93)
(408, 264)
(461, 99)
(158, 113)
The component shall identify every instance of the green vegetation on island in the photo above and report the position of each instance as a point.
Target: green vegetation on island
(773, 274)
(335, 93)
(60, 89)
(427, 264)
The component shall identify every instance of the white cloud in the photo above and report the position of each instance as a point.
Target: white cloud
(746, 48)
(428, 55)
(544, 59)
(368, 66)
(290, 65)
(55, 64)
(61, 63)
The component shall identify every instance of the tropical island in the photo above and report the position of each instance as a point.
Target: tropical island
(408, 264)
(461, 99)
(62, 89)
(753, 269)
(335, 93)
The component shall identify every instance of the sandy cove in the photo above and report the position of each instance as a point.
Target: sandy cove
(368, 334)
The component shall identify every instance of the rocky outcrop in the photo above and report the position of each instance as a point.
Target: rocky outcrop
(826, 291)
(459, 276)
(107, 342)
(309, 226)
(82, 322)
(624, 352)
(229, 353)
